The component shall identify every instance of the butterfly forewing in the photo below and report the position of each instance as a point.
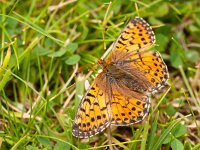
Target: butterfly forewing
(137, 36)
(131, 55)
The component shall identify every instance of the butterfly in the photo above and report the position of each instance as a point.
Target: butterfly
(120, 94)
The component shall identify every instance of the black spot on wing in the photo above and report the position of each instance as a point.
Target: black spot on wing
(90, 95)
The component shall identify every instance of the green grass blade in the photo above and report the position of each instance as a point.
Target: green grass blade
(151, 138)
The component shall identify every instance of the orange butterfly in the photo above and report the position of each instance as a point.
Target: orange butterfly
(120, 94)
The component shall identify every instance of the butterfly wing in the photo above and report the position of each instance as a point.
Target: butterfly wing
(151, 66)
(131, 55)
(136, 36)
(128, 107)
(93, 114)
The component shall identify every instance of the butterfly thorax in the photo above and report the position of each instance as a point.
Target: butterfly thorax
(126, 79)
(114, 71)
(111, 69)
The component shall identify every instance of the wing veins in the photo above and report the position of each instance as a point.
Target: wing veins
(134, 97)
(129, 101)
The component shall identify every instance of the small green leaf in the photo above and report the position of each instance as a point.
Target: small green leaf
(83, 145)
(116, 5)
(170, 110)
(176, 60)
(162, 10)
(177, 54)
(12, 26)
(61, 145)
(45, 142)
(162, 42)
(168, 139)
(192, 55)
(177, 145)
(179, 130)
(73, 59)
(41, 51)
(154, 20)
(57, 53)
(48, 43)
(72, 47)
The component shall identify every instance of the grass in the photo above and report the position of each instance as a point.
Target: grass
(48, 50)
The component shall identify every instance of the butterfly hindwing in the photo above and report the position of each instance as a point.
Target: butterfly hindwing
(128, 107)
(148, 69)
(153, 67)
